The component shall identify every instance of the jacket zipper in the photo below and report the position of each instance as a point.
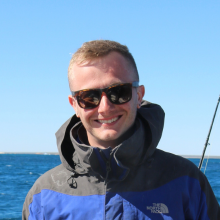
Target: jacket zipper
(108, 169)
(107, 163)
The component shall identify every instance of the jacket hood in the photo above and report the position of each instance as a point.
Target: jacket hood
(137, 148)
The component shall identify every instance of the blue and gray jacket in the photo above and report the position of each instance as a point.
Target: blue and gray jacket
(133, 181)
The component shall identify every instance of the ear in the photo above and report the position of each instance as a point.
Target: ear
(140, 95)
(72, 102)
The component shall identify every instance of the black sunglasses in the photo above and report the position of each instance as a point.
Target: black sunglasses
(117, 94)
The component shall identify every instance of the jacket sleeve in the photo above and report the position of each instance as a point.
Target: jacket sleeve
(213, 208)
(32, 206)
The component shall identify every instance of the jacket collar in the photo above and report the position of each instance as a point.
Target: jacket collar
(82, 158)
(128, 154)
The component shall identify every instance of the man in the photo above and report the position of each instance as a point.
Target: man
(110, 167)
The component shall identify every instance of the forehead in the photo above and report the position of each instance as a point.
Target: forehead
(102, 72)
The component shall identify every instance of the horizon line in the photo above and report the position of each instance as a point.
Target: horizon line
(56, 153)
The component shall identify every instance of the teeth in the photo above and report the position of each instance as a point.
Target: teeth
(108, 121)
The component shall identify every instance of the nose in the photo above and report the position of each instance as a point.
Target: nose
(105, 105)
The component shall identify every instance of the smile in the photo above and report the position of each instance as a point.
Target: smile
(108, 121)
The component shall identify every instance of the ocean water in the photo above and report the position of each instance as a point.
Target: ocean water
(18, 173)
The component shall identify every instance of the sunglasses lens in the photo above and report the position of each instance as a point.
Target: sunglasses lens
(120, 94)
(89, 99)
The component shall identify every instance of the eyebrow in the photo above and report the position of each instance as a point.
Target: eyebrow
(134, 84)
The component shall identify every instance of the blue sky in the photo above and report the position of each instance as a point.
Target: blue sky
(175, 44)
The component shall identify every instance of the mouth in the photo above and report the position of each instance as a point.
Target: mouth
(109, 121)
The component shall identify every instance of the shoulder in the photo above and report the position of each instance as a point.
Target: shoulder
(51, 180)
(173, 166)
(175, 163)
(188, 179)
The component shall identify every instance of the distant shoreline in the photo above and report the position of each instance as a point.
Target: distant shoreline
(37, 153)
(56, 153)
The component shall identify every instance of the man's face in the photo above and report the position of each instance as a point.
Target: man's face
(106, 123)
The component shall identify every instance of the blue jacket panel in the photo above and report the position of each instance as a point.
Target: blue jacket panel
(133, 181)
(166, 202)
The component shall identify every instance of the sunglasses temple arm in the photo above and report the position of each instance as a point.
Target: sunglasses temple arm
(135, 84)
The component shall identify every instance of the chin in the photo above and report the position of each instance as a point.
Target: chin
(110, 136)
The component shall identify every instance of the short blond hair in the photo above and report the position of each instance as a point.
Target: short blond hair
(100, 48)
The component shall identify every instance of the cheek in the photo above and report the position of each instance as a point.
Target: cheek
(85, 116)
(132, 106)
(132, 110)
